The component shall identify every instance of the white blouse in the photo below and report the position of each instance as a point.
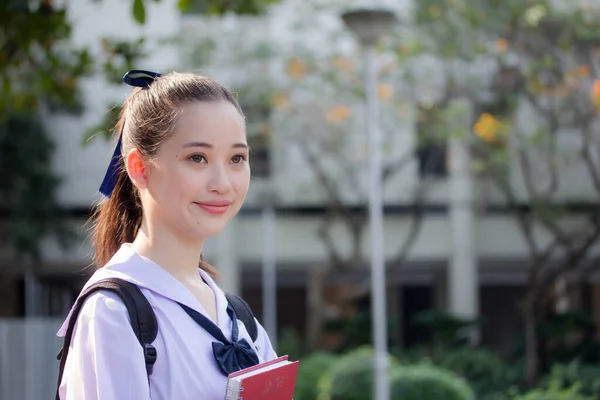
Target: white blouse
(106, 362)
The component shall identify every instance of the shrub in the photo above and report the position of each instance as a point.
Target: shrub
(553, 392)
(310, 371)
(350, 377)
(290, 343)
(484, 370)
(446, 330)
(586, 377)
(427, 382)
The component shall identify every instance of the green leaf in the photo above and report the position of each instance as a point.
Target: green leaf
(478, 166)
(183, 5)
(139, 11)
(6, 85)
(213, 9)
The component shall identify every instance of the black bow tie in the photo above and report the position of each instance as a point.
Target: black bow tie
(230, 355)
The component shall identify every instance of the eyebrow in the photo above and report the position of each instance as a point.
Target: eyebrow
(210, 146)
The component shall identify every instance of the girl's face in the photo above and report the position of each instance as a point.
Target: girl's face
(199, 177)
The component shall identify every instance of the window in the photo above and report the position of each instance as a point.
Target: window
(433, 160)
(257, 108)
(432, 144)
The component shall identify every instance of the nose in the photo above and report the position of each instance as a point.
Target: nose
(219, 181)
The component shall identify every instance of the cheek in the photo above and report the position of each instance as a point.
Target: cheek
(241, 182)
(172, 182)
(190, 179)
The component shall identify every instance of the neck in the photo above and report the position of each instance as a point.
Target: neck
(178, 257)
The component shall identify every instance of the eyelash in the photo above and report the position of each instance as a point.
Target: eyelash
(242, 157)
(194, 158)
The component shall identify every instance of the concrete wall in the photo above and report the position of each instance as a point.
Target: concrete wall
(497, 237)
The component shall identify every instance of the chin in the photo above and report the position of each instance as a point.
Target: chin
(208, 230)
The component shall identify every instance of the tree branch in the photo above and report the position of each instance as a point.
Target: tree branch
(593, 169)
(573, 259)
(413, 233)
(393, 167)
(336, 207)
(525, 163)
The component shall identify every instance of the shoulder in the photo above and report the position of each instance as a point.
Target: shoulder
(103, 301)
(101, 308)
(104, 307)
(263, 343)
(103, 325)
(104, 356)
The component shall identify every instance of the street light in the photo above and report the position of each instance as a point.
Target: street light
(369, 25)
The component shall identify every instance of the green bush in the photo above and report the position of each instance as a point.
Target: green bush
(554, 391)
(446, 330)
(569, 336)
(484, 370)
(427, 382)
(290, 343)
(310, 371)
(586, 376)
(350, 377)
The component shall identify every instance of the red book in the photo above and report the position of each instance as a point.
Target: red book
(271, 380)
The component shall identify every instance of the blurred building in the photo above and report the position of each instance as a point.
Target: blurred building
(482, 274)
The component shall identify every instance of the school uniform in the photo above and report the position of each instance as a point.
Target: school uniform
(106, 361)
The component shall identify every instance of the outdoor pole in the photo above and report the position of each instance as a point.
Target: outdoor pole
(378, 292)
(463, 279)
(269, 269)
(228, 260)
(369, 26)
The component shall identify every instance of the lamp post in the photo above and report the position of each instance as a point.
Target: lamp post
(369, 25)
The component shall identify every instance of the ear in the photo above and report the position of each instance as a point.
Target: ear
(136, 169)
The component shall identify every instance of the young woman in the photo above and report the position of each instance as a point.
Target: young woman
(179, 173)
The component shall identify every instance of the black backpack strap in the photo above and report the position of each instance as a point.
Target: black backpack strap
(244, 313)
(141, 316)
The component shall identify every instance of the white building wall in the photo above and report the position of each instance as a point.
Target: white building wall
(82, 168)
(496, 237)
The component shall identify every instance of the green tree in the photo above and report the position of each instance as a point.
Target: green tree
(39, 74)
(535, 89)
(40, 70)
(316, 96)
(207, 7)
(512, 61)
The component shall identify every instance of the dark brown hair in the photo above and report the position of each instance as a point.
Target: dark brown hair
(148, 117)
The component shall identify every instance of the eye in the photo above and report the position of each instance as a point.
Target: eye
(197, 158)
(239, 159)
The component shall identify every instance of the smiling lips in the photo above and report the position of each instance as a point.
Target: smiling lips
(214, 207)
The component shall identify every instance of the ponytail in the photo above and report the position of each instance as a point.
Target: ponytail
(118, 218)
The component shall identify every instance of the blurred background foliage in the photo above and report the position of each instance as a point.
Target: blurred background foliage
(41, 69)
